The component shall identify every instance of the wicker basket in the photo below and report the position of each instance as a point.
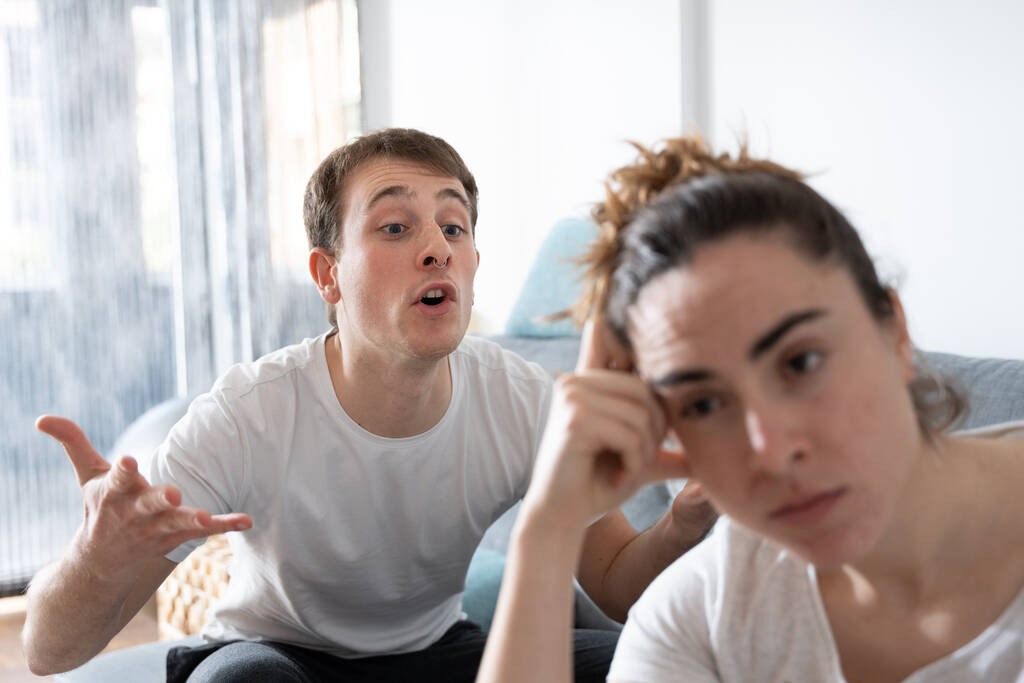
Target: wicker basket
(184, 599)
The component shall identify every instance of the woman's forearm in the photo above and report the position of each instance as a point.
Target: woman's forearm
(531, 635)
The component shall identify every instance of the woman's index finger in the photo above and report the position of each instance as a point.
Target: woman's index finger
(599, 349)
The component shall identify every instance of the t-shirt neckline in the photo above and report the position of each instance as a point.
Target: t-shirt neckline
(330, 399)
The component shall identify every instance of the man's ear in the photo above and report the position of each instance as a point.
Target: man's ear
(899, 336)
(321, 269)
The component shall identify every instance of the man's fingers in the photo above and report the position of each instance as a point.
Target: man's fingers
(189, 519)
(217, 524)
(235, 521)
(694, 490)
(87, 462)
(124, 477)
(156, 500)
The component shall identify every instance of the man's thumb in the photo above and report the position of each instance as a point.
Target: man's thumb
(87, 462)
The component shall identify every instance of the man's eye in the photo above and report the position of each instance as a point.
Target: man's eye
(702, 407)
(452, 230)
(394, 229)
(805, 362)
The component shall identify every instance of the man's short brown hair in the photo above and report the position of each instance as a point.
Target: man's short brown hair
(321, 206)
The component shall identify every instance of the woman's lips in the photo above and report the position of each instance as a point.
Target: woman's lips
(809, 509)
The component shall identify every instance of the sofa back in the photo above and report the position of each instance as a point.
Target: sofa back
(993, 387)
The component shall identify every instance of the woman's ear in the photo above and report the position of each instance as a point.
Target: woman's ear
(899, 336)
(321, 269)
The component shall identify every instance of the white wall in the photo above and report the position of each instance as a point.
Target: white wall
(911, 112)
(537, 95)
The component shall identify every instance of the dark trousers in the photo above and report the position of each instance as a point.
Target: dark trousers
(455, 657)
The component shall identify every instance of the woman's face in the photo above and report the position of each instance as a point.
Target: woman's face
(789, 398)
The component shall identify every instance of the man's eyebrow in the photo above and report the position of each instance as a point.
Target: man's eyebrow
(452, 193)
(772, 336)
(403, 191)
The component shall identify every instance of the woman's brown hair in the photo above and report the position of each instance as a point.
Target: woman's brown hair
(674, 198)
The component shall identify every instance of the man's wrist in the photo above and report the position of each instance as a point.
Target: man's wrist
(93, 566)
(684, 534)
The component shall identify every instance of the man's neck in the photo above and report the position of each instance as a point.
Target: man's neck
(388, 396)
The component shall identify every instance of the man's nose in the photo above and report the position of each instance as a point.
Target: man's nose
(436, 250)
(774, 441)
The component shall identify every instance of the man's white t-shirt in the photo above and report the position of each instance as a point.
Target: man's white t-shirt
(360, 543)
(740, 608)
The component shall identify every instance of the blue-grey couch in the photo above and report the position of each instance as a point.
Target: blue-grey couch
(994, 387)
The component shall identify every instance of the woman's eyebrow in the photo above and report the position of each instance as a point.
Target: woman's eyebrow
(772, 336)
(759, 347)
(680, 377)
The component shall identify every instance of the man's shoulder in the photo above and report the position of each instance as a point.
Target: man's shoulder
(242, 378)
(490, 360)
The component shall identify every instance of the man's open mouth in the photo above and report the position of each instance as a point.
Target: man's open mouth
(433, 297)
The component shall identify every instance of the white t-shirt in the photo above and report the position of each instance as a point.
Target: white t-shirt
(740, 608)
(360, 543)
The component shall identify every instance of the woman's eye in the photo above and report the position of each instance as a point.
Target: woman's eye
(394, 229)
(805, 362)
(702, 407)
(452, 230)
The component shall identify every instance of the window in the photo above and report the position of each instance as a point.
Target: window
(152, 156)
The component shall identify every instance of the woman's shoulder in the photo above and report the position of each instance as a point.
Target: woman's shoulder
(752, 570)
(711, 610)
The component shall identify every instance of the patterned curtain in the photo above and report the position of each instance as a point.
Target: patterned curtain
(152, 160)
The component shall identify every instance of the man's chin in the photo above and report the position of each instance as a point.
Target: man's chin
(436, 347)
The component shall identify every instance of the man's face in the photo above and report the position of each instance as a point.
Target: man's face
(400, 223)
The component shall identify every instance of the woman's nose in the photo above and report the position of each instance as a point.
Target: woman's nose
(773, 442)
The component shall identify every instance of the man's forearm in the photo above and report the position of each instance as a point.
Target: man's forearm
(616, 582)
(70, 617)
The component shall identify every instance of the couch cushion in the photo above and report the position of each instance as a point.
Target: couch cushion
(993, 387)
(552, 282)
(482, 583)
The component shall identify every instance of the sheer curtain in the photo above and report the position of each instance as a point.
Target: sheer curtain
(152, 161)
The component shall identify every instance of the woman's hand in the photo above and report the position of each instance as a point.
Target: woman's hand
(603, 436)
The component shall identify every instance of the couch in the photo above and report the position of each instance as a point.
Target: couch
(994, 388)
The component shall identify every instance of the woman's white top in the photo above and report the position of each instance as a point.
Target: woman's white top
(741, 608)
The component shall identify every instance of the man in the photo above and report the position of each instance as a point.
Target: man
(363, 466)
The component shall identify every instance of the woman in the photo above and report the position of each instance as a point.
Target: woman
(859, 540)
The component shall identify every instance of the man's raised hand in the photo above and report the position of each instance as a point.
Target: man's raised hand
(127, 521)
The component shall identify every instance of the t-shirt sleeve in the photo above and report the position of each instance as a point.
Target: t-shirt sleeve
(540, 391)
(667, 636)
(203, 456)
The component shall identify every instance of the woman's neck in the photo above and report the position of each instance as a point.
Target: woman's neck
(950, 513)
